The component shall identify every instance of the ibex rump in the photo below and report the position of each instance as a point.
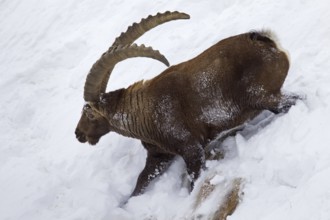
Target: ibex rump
(181, 110)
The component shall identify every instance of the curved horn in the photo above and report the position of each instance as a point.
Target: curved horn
(138, 29)
(99, 74)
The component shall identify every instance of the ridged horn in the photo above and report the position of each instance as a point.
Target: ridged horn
(97, 79)
(138, 29)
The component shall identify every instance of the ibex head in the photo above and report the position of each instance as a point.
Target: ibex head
(92, 126)
(94, 121)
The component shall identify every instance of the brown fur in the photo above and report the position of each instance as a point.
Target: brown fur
(181, 110)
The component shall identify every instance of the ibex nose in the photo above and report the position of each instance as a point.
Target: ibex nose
(80, 136)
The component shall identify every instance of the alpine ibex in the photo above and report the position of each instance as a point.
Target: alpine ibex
(181, 110)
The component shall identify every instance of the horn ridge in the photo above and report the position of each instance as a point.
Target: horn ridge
(136, 30)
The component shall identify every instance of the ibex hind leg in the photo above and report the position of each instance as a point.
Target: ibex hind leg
(285, 102)
(280, 103)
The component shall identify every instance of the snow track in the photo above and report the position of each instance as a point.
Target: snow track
(46, 50)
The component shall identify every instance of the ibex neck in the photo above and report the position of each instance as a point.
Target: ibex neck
(131, 115)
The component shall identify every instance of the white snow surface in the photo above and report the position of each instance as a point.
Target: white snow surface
(46, 50)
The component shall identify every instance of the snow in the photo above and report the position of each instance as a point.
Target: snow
(46, 50)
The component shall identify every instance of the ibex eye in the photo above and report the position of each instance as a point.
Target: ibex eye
(88, 111)
(87, 107)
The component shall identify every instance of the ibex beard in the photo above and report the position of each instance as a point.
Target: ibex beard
(185, 107)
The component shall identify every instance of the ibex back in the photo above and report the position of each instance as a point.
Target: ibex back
(181, 110)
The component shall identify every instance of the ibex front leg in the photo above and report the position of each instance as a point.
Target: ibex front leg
(156, 164)
(194, 157)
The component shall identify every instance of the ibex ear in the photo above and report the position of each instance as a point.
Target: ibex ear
(103, 98)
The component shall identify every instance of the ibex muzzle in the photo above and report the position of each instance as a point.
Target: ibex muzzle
(181, 110)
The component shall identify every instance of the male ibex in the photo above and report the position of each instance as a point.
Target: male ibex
(181, 110)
